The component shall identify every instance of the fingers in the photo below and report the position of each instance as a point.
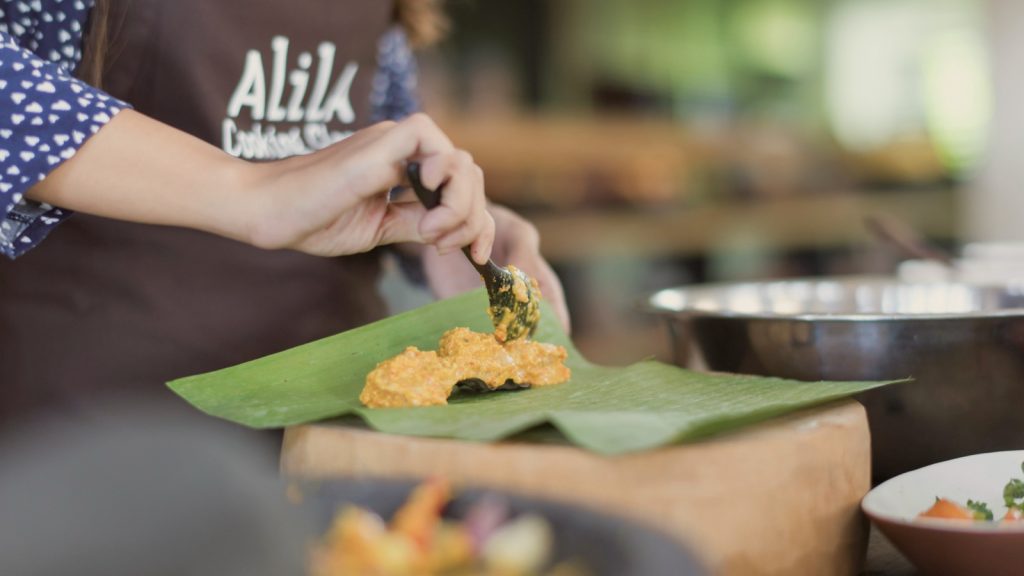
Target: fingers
(449, 275)
(368, 135)
(478, 235)
(403, 194)
(551, 288)
(373, 159)
(342, 183)
(463, 183)
(401, 223)
(461, 219)
(418, 135)
(480, 249)
(414, 137)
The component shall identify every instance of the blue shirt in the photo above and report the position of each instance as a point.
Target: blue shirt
(47, 115)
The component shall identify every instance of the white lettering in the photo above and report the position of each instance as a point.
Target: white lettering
(338, 103)
(251, 90)
(299, 80)
(314, 110)
(227, 137)
(316, 136)
(279, 47)
(311, 107)
(263, 143)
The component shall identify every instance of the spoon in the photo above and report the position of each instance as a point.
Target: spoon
(514, 296)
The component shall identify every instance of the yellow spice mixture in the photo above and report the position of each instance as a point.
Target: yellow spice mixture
(502, 316)
(426, 378)
(519, 289)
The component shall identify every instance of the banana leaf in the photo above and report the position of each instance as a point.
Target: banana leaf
(606, 410)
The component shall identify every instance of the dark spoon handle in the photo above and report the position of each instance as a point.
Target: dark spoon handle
(430, 199)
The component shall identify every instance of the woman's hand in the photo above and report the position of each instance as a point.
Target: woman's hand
(335, 201)
(329, 203)
(518, 243)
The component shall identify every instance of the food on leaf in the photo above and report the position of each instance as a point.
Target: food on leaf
(426, 378)
(504, 314)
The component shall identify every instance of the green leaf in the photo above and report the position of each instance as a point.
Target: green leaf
(607, 410)
(1013, 491)
(980, 510)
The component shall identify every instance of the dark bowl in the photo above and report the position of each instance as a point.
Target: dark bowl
(962, 344)
(605, 545)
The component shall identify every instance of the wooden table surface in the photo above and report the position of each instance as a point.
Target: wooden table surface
(883, 559)
(781, 497)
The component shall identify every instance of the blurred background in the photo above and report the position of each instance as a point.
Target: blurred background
(663, 143)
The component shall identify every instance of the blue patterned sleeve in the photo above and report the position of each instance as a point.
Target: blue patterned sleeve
(394, 87)
(393, 97)
(46, 115)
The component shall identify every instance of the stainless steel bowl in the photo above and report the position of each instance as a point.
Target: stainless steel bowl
(963, 345)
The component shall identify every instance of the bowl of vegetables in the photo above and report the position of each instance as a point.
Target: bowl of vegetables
(397, 527)
(962, 516)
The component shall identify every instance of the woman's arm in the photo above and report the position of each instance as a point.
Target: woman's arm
(45, 116)
(140, 170)
(329, 203)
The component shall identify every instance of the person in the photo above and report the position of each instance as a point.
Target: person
(235, 151)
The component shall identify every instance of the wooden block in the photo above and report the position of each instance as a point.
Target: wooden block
(780, 498)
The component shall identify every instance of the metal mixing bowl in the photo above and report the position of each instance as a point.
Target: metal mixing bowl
(963, 345)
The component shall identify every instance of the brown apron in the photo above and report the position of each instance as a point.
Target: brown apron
(104, 306)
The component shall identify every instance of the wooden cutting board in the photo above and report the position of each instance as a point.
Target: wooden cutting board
(780, 498)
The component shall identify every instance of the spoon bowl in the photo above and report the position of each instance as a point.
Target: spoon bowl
(514, 297)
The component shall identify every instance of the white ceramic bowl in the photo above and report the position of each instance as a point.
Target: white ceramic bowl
(945, 547)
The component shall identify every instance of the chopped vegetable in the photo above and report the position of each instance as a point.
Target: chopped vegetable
(1013, 494)
(519, 547)
(948, 510)
(484, 518)
(978, 511)
(420, 542)
(420, 517)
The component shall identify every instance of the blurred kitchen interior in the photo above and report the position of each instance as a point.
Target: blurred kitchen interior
(657, 143)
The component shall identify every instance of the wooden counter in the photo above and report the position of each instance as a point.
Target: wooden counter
(778, 498)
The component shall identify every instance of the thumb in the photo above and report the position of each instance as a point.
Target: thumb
(401, 223)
